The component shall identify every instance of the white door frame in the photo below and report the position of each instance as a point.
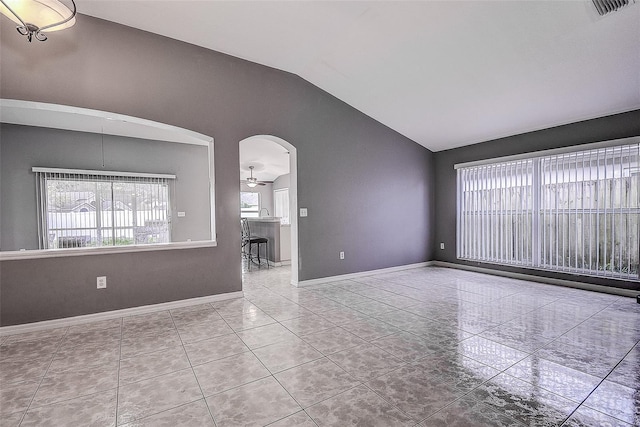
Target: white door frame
(293, 199)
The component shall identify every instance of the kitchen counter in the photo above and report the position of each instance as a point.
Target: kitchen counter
(264, 219)
(279, 238)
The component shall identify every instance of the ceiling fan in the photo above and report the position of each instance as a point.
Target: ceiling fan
(252, 182)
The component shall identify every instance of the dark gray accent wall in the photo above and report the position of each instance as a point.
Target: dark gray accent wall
(24, 147)
(368, 189)
(132, 281)
(602, 129)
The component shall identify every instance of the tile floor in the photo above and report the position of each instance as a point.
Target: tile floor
(421, 347)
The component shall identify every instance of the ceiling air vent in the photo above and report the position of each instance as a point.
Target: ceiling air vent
(605, 6)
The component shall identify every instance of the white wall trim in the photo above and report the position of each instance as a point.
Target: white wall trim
(340, 277)
(293, 199)
(114, 314)
(42, 114)
(103, 250)
(550, 152)
(547, 280)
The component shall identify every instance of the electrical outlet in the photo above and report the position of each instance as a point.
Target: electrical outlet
(102, 282)
(303, 212)
(441, 245)
(341, 255)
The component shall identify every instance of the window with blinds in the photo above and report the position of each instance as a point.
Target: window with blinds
(575, 212)
(496, 212)
(97, 208)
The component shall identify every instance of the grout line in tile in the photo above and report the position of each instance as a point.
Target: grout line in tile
(419, 287)
(280, 419)
(598, 385)
(386, 400)
(118, 375)
(193, 372)
(43, 376)
(324, 356)
(163, 411)
(334, 396)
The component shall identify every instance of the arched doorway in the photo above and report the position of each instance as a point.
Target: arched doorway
(293, 193)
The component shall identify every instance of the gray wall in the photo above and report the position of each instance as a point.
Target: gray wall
(602, 129)
(24, 147)
(368, 189)
(66, 286)
(283, 181)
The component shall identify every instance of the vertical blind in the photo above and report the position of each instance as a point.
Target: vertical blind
(96, 208)
(496, 212)
(575, 212)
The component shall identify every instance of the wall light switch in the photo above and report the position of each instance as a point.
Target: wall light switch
(441, 245)
(303, 212)
(102, 282)
(182, 214)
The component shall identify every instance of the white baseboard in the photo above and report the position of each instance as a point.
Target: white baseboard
(533, 278)
(114, 314)
(338, 278)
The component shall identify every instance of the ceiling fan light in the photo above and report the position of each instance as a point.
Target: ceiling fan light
(35, 16)
(252, 182)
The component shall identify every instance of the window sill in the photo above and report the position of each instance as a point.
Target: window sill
(576, 273)
(55, 253)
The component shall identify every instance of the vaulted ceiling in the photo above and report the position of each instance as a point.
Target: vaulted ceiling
(443, 73)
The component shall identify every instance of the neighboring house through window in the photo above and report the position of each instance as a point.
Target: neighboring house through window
(249, 204)
(96, 208)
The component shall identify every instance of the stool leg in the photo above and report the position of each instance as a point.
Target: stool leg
(259, 262)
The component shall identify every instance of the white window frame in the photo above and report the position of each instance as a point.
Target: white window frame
(487, 238)
(257, 212)
(85, 120)
(91, 226)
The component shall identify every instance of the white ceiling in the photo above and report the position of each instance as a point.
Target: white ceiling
(443, 73)
(269, 159)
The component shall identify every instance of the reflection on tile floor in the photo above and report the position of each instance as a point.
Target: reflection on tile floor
(419, 347)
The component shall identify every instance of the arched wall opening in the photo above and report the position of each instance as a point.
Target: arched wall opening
(293, 198)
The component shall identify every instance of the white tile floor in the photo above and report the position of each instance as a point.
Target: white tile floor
(426, 347)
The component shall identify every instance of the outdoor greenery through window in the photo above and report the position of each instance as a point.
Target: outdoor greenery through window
(575, 212)
(249, 204)
(95, 209)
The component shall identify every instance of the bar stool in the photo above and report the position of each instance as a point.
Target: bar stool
(249, 240)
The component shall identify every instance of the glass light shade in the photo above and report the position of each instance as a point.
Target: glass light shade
(40, 13)
(252, 182)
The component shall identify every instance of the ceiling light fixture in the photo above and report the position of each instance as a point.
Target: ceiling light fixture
(35, 16)
(252, 182)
